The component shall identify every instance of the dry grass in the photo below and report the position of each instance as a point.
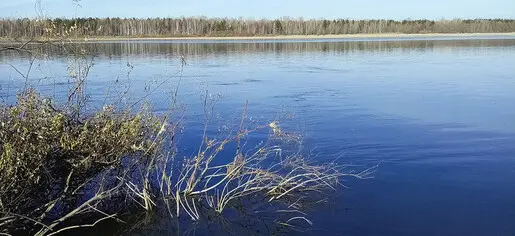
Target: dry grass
(274, 171)
(64, 168)
(57, 168)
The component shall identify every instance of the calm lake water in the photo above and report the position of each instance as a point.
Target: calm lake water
(437, 115)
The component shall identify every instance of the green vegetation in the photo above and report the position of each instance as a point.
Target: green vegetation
(178, 27)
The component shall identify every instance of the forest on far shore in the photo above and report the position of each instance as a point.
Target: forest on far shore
(201, 26)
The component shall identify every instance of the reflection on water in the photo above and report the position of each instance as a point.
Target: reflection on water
(214, 48)
(439, 115)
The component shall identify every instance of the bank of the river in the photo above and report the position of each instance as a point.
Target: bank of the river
(290, 37)
(334, 36)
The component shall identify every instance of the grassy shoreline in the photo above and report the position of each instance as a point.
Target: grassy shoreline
(285, 37)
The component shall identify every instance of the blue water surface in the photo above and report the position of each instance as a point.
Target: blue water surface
(437, 116)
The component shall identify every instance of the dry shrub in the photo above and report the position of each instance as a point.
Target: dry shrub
(47, 152)
(59, 169)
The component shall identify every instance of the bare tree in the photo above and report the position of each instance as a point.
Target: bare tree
(130, 27)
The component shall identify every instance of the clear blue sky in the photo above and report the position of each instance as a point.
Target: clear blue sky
(354, 9)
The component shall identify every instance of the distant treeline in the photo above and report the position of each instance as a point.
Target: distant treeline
(108, 27)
